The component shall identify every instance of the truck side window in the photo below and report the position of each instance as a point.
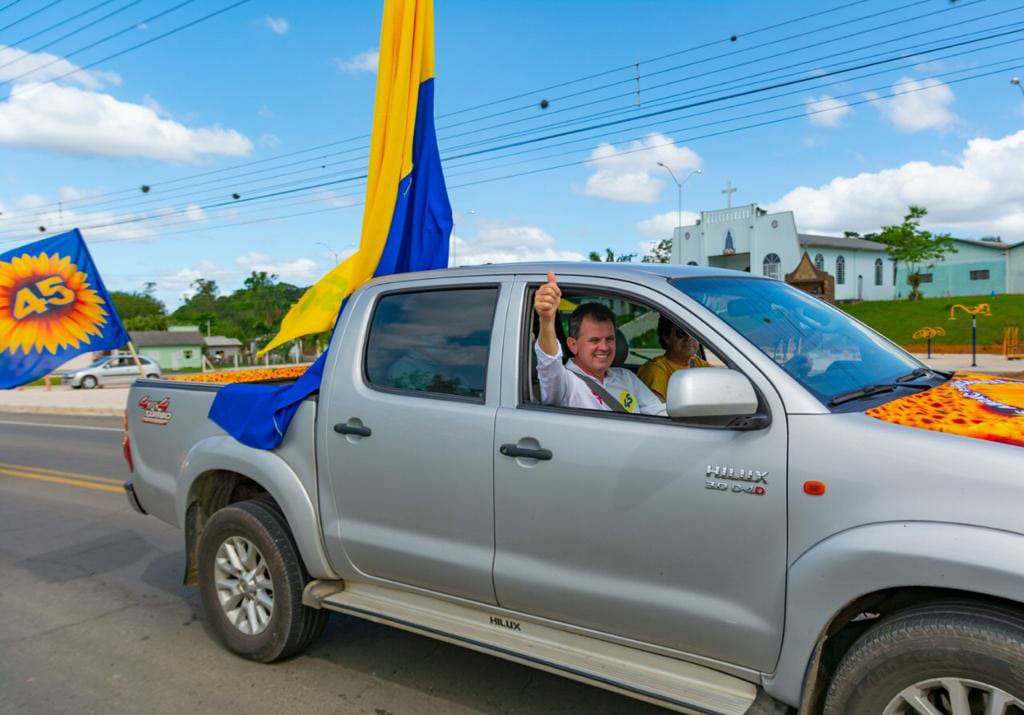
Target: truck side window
(432, 341)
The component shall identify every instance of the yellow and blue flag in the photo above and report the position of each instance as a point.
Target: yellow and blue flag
(407, 220)
(53, 306)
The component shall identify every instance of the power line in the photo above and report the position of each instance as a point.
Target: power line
(674, 68)
(707, 136)
(492, 102)
(716, 122)
(292, 188)
(734, 95)
(32, 14)
(58, 24)
(661, 101)
(102, 40)
(65, 36)
(801, 114)
(653, 59)
(9, 5)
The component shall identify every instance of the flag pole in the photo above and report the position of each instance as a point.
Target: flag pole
(135, 356)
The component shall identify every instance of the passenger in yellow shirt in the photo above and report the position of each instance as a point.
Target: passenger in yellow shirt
(680, 353)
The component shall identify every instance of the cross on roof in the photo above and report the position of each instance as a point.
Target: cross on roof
(729, 190)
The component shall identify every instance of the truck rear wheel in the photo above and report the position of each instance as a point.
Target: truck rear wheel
(945, 659)
(251, 580)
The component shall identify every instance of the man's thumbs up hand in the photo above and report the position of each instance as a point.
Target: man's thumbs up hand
(547, 299)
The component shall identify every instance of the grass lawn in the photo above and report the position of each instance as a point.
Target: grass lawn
(898, 319)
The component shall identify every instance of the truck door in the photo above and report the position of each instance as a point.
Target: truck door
(407, 426)
(625, 528)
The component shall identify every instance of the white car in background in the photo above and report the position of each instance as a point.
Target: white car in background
(116, 370)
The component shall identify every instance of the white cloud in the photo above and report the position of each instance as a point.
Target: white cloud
(664, 225)
(510, 244)
(918, 105)
(69, 120)
(265, 112)
(363, 62)
(195, 213)
(334, 200)
(629, 173)
(981, 193)
(42, 67)
(826, 111)
(271, 141)
(277, 25)
(287, 270)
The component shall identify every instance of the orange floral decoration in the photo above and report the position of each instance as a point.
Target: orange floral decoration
(970, 405)
(260, 374)
(47, 304)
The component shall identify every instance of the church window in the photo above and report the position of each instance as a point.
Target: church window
(878, 271)
(819, 262)
(772, 266)
(840, 270)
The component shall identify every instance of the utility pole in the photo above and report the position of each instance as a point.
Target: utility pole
(1016, 82)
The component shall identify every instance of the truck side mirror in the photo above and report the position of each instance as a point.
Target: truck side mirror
(710, 392)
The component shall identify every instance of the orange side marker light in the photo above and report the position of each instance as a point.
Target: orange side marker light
(814, 488)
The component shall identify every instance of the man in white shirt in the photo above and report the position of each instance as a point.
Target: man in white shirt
(591, 340)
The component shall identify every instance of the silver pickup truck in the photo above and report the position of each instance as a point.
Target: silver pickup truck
(778, 541)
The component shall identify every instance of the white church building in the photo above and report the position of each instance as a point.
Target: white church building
(748, 238)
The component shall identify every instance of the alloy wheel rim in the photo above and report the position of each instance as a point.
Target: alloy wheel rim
(954, 696)
(244, 587)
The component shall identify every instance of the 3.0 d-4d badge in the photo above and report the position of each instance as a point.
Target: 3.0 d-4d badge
(753, 477)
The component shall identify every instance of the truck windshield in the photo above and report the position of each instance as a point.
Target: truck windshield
(826, 351)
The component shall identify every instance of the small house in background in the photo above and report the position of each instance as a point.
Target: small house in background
(179, 347)
(223, 351)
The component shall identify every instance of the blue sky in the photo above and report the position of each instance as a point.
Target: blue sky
(267, 79)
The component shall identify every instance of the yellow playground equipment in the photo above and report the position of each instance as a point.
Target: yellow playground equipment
(1013, 349)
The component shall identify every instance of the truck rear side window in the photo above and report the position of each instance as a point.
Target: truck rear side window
(432, 341)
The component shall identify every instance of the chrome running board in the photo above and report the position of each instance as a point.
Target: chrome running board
(681, 686)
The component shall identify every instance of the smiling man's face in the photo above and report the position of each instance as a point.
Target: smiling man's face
(594, 349)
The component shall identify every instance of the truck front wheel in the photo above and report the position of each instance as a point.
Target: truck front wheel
(948, 659)
(251, 580)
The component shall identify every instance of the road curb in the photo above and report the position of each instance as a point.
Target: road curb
(41, 410)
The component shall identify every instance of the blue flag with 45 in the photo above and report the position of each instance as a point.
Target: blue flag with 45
(53, 306)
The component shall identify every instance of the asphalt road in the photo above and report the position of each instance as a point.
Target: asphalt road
(93, 616)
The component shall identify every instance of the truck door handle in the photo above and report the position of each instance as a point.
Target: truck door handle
(345, 428)
(514, 450)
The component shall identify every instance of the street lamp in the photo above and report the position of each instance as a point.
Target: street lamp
(679, 186)
(1016, 81)
(335, 253)
(455, 222)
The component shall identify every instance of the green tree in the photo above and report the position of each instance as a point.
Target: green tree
(132, 304)
(917, 248)
(610, 257)
(661, 252)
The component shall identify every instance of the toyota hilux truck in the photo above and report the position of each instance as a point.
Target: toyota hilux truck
(818, 523)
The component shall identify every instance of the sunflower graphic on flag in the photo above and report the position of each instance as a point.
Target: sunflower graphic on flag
(53, 306)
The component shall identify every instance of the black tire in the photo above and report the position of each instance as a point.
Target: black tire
(292, 626)
(89, 382)
(152, 376)
(958, 640)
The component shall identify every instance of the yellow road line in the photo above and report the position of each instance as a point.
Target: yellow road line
(76, 475)
(61, 480)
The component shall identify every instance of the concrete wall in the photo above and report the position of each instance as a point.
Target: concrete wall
(175, 357)
(952, 276)
(1015, 269)
(858, 263)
